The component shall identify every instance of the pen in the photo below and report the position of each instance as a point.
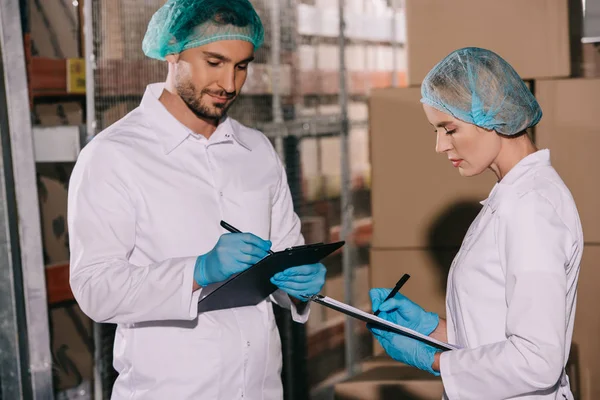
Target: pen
(395, 290)
(235, 230)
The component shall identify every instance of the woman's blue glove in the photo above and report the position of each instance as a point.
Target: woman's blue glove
(305, 280)
(233, 253)
(401, 311)
(407, 313)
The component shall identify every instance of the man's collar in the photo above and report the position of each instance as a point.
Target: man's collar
(171, 133)
(228, 129)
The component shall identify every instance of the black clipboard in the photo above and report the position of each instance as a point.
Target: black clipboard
(250, 287)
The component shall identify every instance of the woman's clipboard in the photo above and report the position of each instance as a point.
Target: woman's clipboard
(250, 287)
(380, 322)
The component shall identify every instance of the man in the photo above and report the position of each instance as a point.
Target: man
(145, 201)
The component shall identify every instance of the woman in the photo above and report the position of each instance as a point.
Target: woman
(510, 303)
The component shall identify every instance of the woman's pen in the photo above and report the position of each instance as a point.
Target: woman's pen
(395, 290)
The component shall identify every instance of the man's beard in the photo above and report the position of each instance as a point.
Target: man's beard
(188, 93)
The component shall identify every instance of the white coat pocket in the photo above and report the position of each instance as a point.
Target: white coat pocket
(187, 353)
(256, 206)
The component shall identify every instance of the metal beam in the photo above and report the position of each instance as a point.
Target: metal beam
(90, 68)
(25, 368)
(346, 200)
(276, 71)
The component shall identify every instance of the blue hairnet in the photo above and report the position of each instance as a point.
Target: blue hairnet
(184, 24)
(477, 86)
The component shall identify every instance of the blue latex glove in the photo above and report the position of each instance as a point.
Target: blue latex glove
(305, 280)
(402, 311)
(233, 253)
(407, 313)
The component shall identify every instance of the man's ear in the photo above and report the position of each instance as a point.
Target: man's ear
(172, 58)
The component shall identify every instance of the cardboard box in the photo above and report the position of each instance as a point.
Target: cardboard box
(57, 114)
(587, 325)
(72, 346)
(418, 198)
(112, 44)
(569, 128)
(114, 113)
(536, 45)
(54, 28)
(390, 380)
(52, 192)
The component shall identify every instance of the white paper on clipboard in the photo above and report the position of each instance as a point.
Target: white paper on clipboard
(370, 318)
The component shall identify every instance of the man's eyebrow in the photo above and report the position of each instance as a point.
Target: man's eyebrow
(223, 58)
(247, 60)
(217, 56)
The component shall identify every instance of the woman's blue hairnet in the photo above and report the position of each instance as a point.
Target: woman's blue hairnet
(184, 24)
(477, 86)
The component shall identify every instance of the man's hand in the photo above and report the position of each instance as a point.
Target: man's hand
(233, 253)
(301, 282)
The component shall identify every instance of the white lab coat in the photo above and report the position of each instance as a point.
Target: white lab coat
(512, 288)
(145, 199)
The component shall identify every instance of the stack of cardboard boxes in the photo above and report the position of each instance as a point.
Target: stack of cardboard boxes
(422, 206)
(570, 130)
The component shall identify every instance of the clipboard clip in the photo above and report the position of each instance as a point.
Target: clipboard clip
(314, 297)
(305, 246)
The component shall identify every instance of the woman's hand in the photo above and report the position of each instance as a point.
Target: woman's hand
(402, 311)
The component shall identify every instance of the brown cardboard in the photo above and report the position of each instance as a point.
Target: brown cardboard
(569, 128)
(53, 212)
(587, 326)
(390, 380)
(55, 114)
(532, 35)
(384, 390)
(115, 113)
(418, 198)
(113, 40)
(54, 28)
(72, 346)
